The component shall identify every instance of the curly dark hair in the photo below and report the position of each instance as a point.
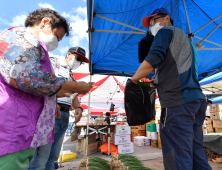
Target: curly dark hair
(57, 21)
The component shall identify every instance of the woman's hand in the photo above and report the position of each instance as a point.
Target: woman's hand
(58, 113)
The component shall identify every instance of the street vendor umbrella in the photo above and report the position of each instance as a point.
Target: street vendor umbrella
(84, 106)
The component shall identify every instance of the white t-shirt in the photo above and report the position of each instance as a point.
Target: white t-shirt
(208, 111)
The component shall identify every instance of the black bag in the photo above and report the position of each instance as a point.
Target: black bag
(144, 46)
(139, 103)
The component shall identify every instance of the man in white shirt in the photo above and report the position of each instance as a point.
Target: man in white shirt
(209, 103)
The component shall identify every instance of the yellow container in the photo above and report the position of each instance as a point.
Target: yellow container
(68, 157)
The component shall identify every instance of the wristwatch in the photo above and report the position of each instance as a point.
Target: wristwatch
(80, 108)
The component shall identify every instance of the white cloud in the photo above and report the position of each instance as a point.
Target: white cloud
(84, 0)
(45, 5)
(3, 21)
(18, 20)
(61, 58)
(78, 22)
(1, 31)
(63, 50)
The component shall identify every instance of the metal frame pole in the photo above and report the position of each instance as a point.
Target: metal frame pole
(117, 31)
(121, 23)
(61, 152)
(84, 148)
(207, 24)
(108, 135)
(210, 33)
(208, 41)
(211, 49)
(188, 23)
(87, 127)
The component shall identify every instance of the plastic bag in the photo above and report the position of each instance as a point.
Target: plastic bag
(139, 103)
(76, 132)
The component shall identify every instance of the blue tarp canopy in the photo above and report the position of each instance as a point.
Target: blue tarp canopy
(114, 46)
(213, 84)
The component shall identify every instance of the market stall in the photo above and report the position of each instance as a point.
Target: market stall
(116, 28)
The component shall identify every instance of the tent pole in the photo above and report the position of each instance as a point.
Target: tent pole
(209, 33)
(188, 23)
(117, 31)
(211, 49)
(209, 74)
(208, 41)
(87, 127)
(207, 24)
(121, 23)
(92, 14)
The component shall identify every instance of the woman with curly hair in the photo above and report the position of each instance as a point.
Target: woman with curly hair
(28, 87)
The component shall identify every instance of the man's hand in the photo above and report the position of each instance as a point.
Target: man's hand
(78, 112)
(134, 81)
(58, 113)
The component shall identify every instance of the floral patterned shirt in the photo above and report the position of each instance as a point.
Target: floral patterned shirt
(20, 55)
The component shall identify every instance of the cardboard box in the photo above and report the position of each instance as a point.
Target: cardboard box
(152, 135)
(142, 127)
(141, 133)
(151, 127)
(216, 108)
(134, 127)
(218, 130)
(127, 148)
(158, 127)
(215, 115)
(121, 139)
(154, 143)
(78, 145)
(92, 148)
(208, 120)
(210, 128)
(141, 141)
(134, 132)
(90, 141)
(217, 123)
(122, 130)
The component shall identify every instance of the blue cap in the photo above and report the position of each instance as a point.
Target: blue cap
(145, 20)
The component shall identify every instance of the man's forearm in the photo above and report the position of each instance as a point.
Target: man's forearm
(75, 103)
(144, 70)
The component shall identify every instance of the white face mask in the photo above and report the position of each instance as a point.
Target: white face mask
(74, 64)
(154, 29)
(50, 41)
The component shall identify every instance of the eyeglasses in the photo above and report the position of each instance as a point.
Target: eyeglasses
(152, 23)
(78, 58)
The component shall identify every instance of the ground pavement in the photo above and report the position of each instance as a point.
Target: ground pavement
(150, 156)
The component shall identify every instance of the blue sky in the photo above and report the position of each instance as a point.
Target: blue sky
(14, 13)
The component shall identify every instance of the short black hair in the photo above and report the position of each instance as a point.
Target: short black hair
(107, 114)
(209, 101)
(57, 21)
(163, 15)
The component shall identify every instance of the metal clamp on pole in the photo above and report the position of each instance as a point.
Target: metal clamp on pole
(190, 35)
(90, 30)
